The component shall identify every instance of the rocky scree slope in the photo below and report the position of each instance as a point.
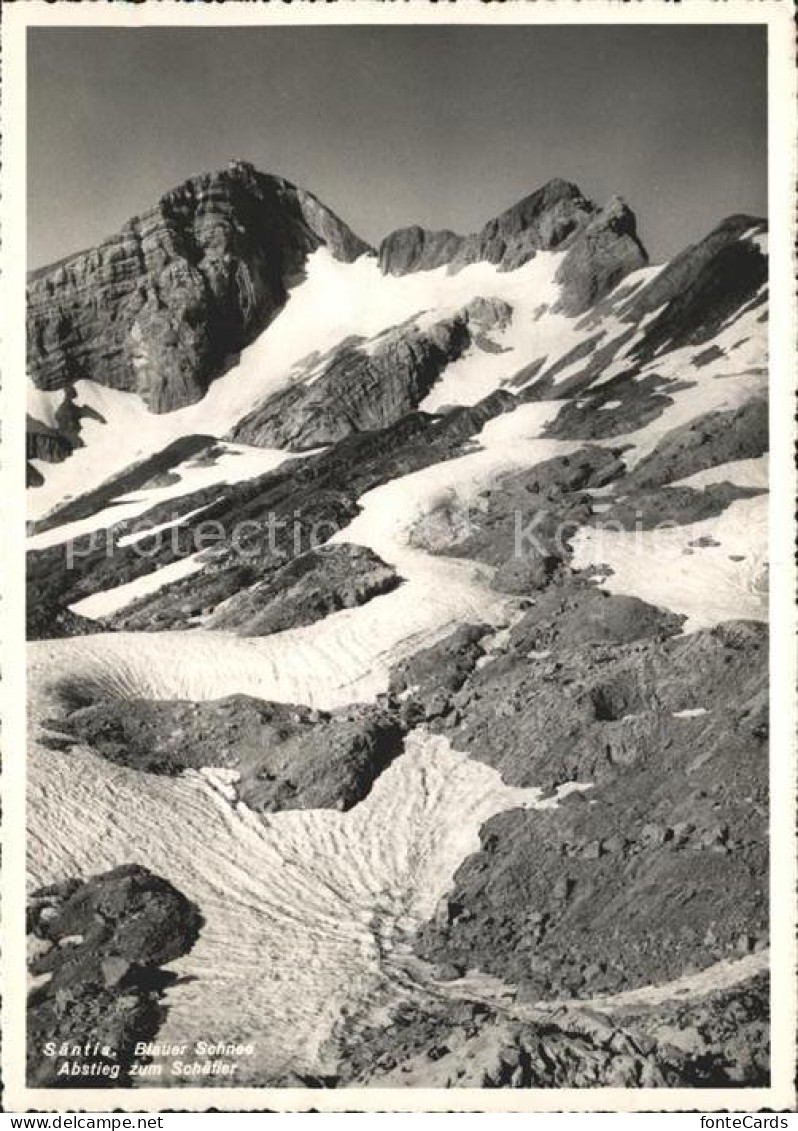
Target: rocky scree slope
(717, 1041)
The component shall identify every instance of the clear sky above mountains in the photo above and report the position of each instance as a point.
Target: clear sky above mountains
(389, 126)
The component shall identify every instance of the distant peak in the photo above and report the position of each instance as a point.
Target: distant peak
(220, 250)
(555, 192)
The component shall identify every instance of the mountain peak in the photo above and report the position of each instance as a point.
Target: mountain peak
(537, 222)
(601, 243)
(553, 193)
(196, 278)
(600, 254)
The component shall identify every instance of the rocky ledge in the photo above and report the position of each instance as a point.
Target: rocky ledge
(306, 589)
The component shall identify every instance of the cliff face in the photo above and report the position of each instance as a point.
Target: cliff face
(418, 249)
(158, 308)
(367, 386)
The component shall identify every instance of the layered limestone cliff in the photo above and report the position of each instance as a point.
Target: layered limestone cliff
(160, 307)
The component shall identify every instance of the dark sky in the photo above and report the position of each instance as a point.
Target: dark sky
(440, 126)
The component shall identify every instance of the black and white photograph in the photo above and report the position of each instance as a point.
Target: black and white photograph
(403, 583)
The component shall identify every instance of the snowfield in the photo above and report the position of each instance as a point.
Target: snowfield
(741, 473)
(348, 655)
(711, 571)
(336, 299)
(110, 601)
(339, 300)
(291, 900)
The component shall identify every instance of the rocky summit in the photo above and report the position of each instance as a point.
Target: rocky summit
(398, 648)
(556, 216)
(161, 307)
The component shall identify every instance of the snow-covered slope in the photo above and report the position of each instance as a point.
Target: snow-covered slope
(335, 301)
(290, 902)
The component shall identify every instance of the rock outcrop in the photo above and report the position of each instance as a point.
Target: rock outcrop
(720, 1040)
(313, 585)
(708, 441)
(600, 254)
(539, 222)
(547, 501)
(56, 441)
(669, 732)
(280, 756)
(95, 952)
(602, 243)
(160, 308)
(417, 249)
